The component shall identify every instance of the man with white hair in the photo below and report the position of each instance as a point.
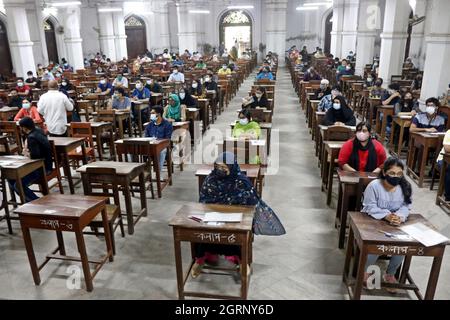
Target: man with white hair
(323, 90)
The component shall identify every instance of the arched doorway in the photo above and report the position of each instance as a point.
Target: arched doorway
(408, 41)
(136, 36)
(5, 54)
(236, 30)
(328, 29)
(50, 40)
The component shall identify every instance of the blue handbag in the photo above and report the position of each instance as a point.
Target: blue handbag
(266, 222)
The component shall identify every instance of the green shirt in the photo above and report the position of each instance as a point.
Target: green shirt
(252, 127)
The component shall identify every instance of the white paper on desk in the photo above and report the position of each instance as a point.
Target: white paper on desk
(222, 217)
(6, 163)
(192, 109)
(437, 133)
(258, 142)
(16, 157)
(425, 235)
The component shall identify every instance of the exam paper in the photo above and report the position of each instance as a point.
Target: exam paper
(425, 235)
(222, 217)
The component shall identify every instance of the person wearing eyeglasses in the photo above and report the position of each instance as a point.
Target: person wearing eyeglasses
(388, 198)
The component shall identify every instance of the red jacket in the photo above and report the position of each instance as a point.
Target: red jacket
(346, 151)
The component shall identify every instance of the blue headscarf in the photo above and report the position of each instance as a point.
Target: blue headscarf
(236, 189)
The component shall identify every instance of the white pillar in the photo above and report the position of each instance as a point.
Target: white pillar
(43, 54)
(369, 21)
(161, 26)
(106, 36)
(275, 22)
(19, 37)
(120, 35)
(437, 70)
(187, 37)
(338, 24)
(72, 38)
(417, 47)
(393, 38)
(350, 26)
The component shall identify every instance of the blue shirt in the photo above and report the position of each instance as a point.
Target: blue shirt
(141, 94)
(121, 105)
(264, 75)
(177, 63)
(421, 121)
(161, 131)
(105, 86)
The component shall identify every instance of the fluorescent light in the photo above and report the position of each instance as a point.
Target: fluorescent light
(109, 9)
(312, 4)
(65, 4)
(199, 11)
(240, 7)
(306, 8)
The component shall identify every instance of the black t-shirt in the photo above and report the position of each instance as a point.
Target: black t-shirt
(39, 147)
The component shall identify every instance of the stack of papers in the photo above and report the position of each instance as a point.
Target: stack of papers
(222, 217)
(425, 235)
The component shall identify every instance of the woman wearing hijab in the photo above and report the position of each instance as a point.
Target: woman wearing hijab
(258, 99)
(340, 114)
(174, 112)
(362, 153)
(186, 99)
(227, 185)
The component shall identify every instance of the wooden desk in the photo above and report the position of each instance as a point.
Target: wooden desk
(181, 130)
(266, 130)
(7, 112)
(203, 105)
(156, 99)
(403, 122)
(4, 146)
(252, 171)
(348, 188)
(120, 116)
(312, 105)
(69, 213)
(86, 105)
(245, 150)
(368, 240)
(15, 168)
(319, 115)
(126, 172)
(193, 116)
(63, 146)
(330, 156)
(153, 150)
(424, 142)
(380, 127)
(185, 229)
(98, 128)
(139, 106)
(373, 104)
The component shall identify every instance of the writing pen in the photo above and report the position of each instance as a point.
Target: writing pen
(196, 219)
(387, 234)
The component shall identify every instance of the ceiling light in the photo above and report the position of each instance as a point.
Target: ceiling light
(306, 8)
(240, 7)
(109, 9)
(65, 4)
(312, 4)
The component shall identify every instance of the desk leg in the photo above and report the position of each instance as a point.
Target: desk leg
(244, 266)
(360, 275)
(67, 173)
(400, 140)
(179, 266)
(31, 256)
(108, 237)
(434, 276)
(43, 182)
(169, 165)
(441, 181)
(343, 225)
(84, 258)
(143, 197)
(129, 208)
(423, 163)
(61, 247)
(339, 205)
(112, 149)
(120, 123)
(6, 206)
(330, 179)
(130, 129)
(348, 256)
(383, 127)
(98, 139)
(158, 174)
(83, 152)
(139, 128)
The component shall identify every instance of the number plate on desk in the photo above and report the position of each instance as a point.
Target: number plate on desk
(219, 237)
(49, 224)
(392, 250)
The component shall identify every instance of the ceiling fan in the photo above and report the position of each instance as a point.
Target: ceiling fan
(416, 20)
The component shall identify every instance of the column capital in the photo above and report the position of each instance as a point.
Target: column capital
(366, 34)
(438, 38)
(394, 35)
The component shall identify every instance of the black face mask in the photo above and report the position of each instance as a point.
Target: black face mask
(221, 173)
(393, 181)
(378, 84)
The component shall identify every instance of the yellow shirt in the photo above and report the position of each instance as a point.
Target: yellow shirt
(223, 72)
(446, 143)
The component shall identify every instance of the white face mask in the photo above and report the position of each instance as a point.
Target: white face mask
(64, 84)
(258, 95)
(20, 84)
(336, 106)
(138, 85)
(153, 117)
(149, 81)
(175, 71)
(182, 95)
(194, 85)
(369, 79)
(26, 106)
(430, 110)
(46, 71)
(102, 81)
(348, 67)
(207, 79)
(243, 121)
(224, 67)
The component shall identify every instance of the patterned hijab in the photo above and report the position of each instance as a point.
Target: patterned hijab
(174, 112)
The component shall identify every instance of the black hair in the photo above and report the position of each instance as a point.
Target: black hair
(120, 90)
(19, 79)
(394, 86)
(433, 100)
(30, 72)
(175, 67)
(342, 101)
(404, 184)
(158, 109)
(337, 87)
(27, 123)
(246, 113)
(362, 125)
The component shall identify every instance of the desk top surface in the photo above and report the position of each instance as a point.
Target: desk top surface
(181, 218)
(122, 168)
(15, 161)
(96, 124)
(65, 141)
(149, 140)
(354, 177)
(61, 205)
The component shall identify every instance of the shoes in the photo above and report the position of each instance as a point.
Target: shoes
(196, 270)
(389, 278)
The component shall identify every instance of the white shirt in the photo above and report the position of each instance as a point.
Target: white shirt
(179, 77)
(124, 82)
(53, 106)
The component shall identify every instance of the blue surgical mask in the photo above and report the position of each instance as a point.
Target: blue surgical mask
(153, 117)
(336, 106)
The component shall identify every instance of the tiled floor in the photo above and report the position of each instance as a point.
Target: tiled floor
(303, 264)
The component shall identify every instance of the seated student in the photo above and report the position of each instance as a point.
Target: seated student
(15, 100)
(392, 97)
(100, 70)
(104, 86)
(28, 111)
(245, 128)
(265, 74)
(159, 128)
(120, 81)
(311, 74)
(224, 70)
(362, 153)
(200, 65)
(31, 80)
(388, 198)
(37, 146)
(176, 76)
(48, 76)
(153, 86)
(227, 185)
(67, 67)
(66, 85)
(430, 120)
(377, 91)
(407, 104)
(119, 101)
(348, 71)
(209, 83)
(340, 114)
(196, 88)
(140, 92)
(174, 111)
(186, 99)
(445, 149)
(257, 100)
(327, 101)
(22, 89)
(323, 90)
(417, 82)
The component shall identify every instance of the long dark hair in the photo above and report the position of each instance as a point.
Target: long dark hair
(404, 184)
(357, 146)
(342, 101)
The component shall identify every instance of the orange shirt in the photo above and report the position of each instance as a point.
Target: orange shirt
(32, 113)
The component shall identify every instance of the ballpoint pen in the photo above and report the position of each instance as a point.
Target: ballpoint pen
(387, 234)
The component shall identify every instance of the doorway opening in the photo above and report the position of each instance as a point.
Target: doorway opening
(136, 36)
(236, 31)
(50, 40)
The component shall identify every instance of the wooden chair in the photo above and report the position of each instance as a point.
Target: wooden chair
(4, 146)
(101, 182)
(107, 116)
(257, 115)
(82, 130)
(135, 151)
(12, 131)
(338, 133)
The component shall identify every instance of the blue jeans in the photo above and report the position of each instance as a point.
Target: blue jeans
(26, 182)
(162, 158)
(394, 263)
(447, 180)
